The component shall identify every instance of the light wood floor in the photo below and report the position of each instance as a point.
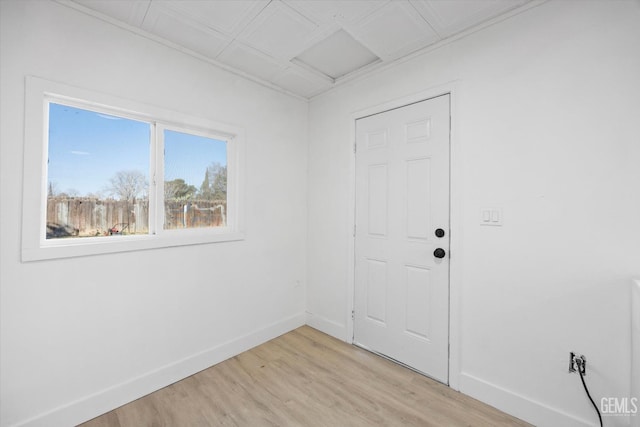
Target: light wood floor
(305, 378)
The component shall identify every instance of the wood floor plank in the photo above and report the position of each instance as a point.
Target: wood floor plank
(306, 378)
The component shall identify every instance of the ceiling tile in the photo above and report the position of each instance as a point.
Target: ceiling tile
(251, 61)
(300, 82)
(453, 16)
(226, 16)
(337, 55)
(279, 30)
(332, 39)
(336, 10)
(131, 12)
(190, 34)
(394, 30)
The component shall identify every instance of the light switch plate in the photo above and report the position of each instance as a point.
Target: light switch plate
(491, 216)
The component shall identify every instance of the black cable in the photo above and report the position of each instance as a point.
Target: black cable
(579, 362)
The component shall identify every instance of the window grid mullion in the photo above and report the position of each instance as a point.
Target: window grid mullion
(158, 178)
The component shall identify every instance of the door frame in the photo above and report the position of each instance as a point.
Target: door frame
(455, 216)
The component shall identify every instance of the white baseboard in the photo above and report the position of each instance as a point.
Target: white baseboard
(108, 399)
(327, 326)
(113, 397)
(519, 406)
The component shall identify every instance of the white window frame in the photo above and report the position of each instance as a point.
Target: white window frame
(35, 245)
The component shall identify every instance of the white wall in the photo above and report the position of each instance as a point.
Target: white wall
(79, 336)
(546, 109)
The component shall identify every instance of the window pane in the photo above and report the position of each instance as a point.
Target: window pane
(98, 169)
(195, 181)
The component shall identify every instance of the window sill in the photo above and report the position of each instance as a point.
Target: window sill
(70, 248)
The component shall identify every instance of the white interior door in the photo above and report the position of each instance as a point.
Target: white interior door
(402, 199)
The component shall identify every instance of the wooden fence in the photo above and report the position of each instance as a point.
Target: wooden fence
(84, 217)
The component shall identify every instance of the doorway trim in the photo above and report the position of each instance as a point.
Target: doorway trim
(455, 209)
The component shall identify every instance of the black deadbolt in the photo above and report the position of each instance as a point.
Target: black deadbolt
(439, 232)
(439, 253)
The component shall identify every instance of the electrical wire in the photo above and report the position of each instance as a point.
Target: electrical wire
(580, 369)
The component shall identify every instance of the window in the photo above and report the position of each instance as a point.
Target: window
(97, 174)
(195, 181)
(104, 174)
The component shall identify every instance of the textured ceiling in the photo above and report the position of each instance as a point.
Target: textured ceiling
(302, 46)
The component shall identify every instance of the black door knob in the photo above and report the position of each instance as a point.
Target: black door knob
(439, 253)
(439, 232)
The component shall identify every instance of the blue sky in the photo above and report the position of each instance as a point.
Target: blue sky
(188, 156)
(87, 148)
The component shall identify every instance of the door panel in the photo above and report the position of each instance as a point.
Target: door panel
(402, 197)
(418, 215)
(377, 290)
(377, 200)
(418, 284)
